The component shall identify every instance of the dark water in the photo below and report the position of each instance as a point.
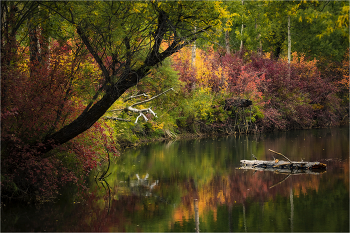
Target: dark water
(195, 185)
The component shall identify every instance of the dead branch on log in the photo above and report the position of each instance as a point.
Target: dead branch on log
(280, 154)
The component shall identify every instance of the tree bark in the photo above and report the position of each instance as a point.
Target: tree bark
(33, 43)
(241, 46)
(259, 47)
(227, 42)
(289, 46)
(193, 57)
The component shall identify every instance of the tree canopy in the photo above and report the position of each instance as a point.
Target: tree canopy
(319, 28)
(125, 39)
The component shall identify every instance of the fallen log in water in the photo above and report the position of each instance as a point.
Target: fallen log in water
(280, 164)
(284, 167)
(285, 171)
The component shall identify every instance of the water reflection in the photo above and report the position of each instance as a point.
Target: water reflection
(195, 185)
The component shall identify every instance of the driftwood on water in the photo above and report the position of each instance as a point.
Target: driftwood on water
(283, 166)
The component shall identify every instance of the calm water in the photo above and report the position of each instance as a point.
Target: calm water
(195, 185)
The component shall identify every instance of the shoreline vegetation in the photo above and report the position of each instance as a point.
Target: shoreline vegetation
(237, 94)
(124, 145)
(82, 80)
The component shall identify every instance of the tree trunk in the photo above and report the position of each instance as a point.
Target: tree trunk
(38, 43)
(112, 91)
(10, 24)
(44, 41)
(90, 115)
(241, 46)
(227, 42)
(34, 46)
(289, 46)
(259, 47)
(193, 57)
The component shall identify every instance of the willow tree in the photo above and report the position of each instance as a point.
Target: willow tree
(125, 39)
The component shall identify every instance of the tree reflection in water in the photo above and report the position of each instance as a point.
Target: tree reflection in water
(196, 186)
(135, 206)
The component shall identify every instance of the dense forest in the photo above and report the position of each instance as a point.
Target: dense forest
(82, 80)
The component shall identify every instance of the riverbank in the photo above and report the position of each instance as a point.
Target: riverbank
(124, 144)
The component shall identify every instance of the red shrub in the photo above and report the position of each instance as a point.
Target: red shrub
(37, 100)
(290, 96)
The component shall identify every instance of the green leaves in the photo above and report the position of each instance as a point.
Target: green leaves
(318, 28)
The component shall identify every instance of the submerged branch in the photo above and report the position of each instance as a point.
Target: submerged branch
(280, 181)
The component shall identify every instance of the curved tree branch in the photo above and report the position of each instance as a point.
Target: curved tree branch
(116, 86)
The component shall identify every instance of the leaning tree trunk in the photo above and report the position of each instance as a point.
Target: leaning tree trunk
(112, 90)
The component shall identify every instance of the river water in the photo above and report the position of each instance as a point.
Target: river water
(197, 186)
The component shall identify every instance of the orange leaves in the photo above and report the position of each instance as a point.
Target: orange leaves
(206, 72)
(307, 68)
(308, 96)
(248, 84)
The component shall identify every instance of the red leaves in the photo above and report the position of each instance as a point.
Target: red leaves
(37, 100)
(37, 96)
(288, 97)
